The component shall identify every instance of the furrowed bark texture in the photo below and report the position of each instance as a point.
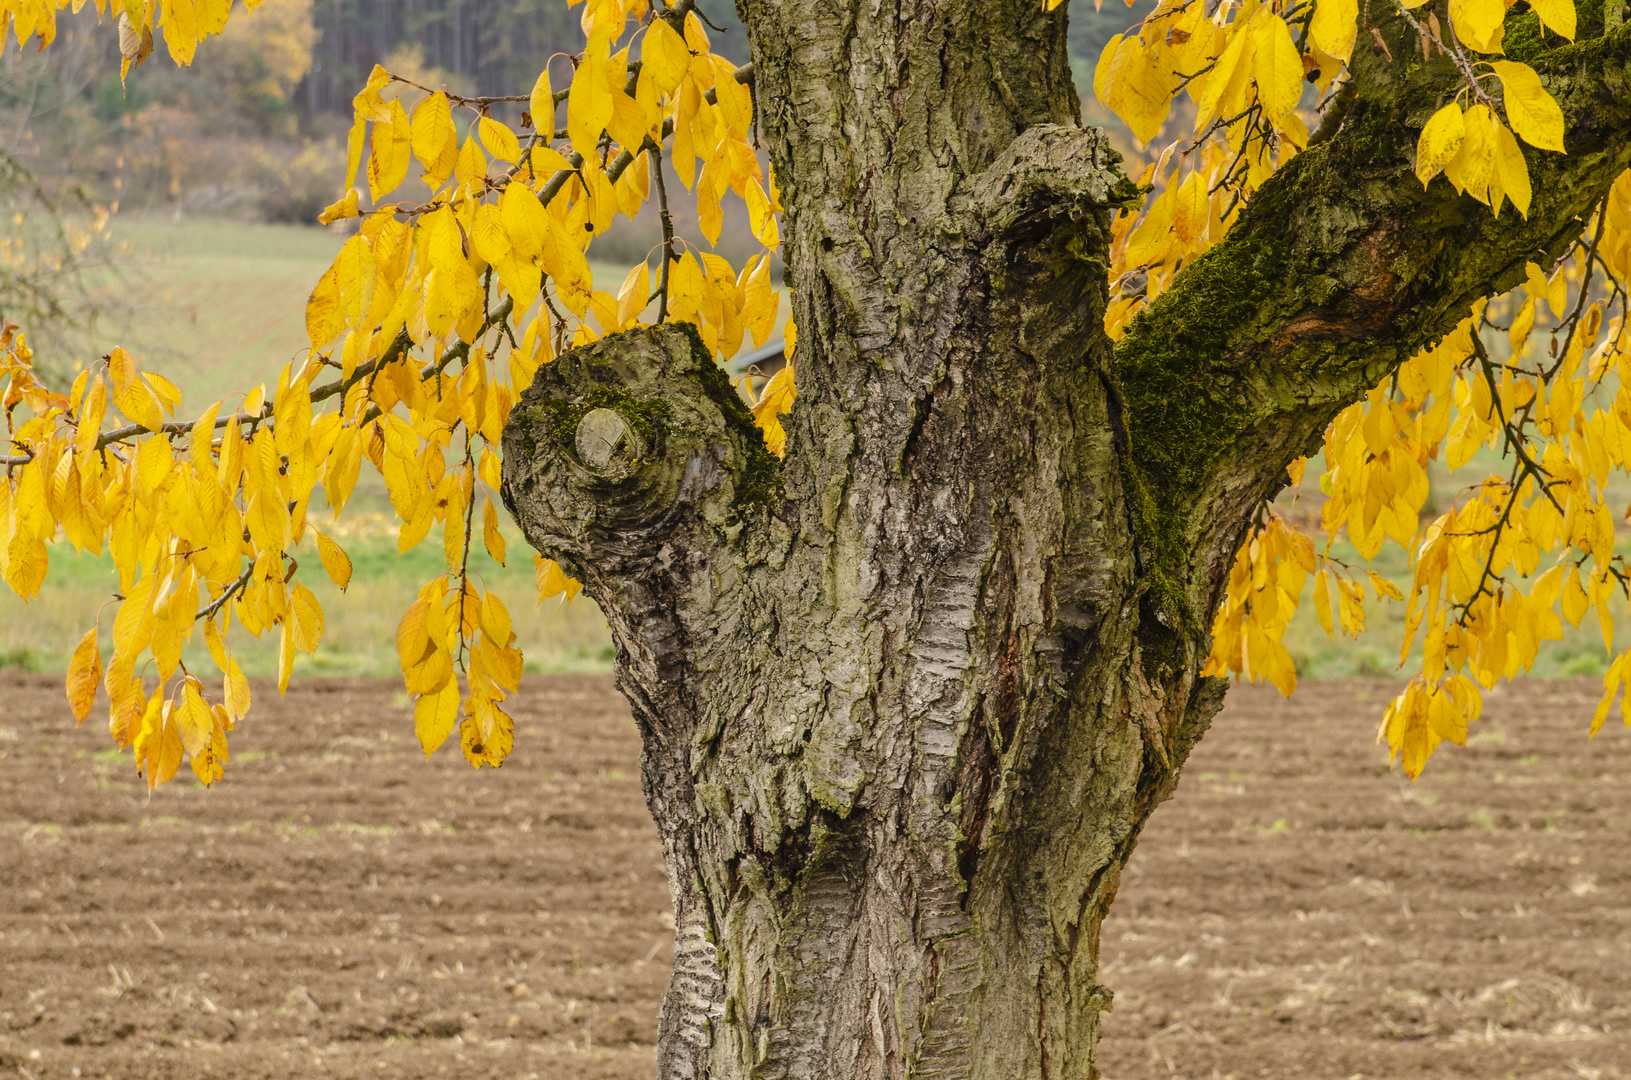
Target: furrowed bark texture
(908, 698)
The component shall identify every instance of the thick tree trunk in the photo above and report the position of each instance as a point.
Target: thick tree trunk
(908, 698)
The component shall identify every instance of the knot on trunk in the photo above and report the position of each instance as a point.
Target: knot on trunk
(621, 447)
(1049, 171)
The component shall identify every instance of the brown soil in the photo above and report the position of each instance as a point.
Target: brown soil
(339, 907)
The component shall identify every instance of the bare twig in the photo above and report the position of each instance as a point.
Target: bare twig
(221, 601)
(668, 231)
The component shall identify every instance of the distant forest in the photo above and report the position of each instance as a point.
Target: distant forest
(497, 45)
(257, 126)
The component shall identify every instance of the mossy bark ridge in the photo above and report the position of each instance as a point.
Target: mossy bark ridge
(908, 698)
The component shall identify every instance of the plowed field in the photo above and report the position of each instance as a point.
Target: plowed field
(339, 907)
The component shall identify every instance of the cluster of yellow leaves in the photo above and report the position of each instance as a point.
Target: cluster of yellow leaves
(775, 400)
(1426, 714)
(1478, 154)
(185, 23)
(1183, 219)
(1259, 599)
(1498, 573)
(1470, 146)
(431, 319)
(180, 525)
(434, 632)
(1238, 64)
(1243, 69)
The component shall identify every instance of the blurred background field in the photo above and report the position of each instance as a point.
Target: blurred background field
(216, 174)
(218, 306)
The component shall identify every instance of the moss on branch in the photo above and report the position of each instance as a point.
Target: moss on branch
(1341, 267)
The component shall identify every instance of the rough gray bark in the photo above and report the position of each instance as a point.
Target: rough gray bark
(908, 698)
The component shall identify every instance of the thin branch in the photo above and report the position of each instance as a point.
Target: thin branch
(1573, 319)
(1457, 57)
(668, 230)
(559, 95)
(221, 601)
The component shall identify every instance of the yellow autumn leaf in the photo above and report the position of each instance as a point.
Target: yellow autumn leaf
(167, 392)
(1334, 26)
(525, 221)
(158, 747)
(664, 57)
(589, 102)
(210, 765)
(1383, 586)
(347, 207)
(91, 415)
(153, 461)
(412, 635)
(1478, 23)
(734, 99)
(1221, 77)
(1474, 163)
(1138, 87)
(354, 147)
(1440, 141)
(431, 124)
(285, 656)
(1512, 170)
(1276, 65)
(545, 161)
(633, 296)
(1101, 68)
(335, 561)
(235, 690)
(1533, 113)
(551, 580)
(357, 274)
(489, 530)
(430, 674)
(495, 620)
(499, 140)
(486, 735)
(1151, 240)
(1192, 208)
(1322, 602)
(435, 715)
(1522, 324)
(1557, 16)
(541, 105)
(194, 722)
(324, 319)
(391, 151)
(1446, 719)
(84, 673)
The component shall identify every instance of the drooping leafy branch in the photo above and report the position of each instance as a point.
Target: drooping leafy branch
(1494, 576)
(433, 317)
(438, 311)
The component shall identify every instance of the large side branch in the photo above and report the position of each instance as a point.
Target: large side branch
(1341, 268)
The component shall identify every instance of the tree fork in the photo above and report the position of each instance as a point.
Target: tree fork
(903, 716)
(1341, 268)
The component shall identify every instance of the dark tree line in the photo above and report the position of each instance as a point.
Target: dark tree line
(498, 45)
